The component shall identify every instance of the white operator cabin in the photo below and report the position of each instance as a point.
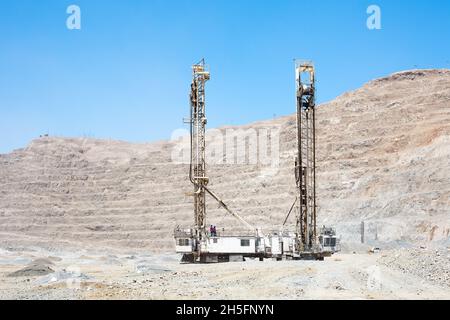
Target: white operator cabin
(219, 245)
(221, 248)
(276, 245)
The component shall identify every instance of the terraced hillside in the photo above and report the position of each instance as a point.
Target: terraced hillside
(384, 158)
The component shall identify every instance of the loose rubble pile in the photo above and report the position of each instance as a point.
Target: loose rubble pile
(38, 267)
(428, 264)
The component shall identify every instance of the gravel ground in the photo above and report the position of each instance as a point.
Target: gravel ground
(396, 274)
(429, 264)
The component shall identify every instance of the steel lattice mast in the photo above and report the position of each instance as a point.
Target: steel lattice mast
(305, 163)
(197, 172)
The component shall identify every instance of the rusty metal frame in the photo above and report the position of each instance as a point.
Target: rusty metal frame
(305, 162)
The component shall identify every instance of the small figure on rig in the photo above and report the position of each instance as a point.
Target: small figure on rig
(211, 230)
(215, 231)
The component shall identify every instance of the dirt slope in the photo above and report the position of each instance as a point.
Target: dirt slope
(384, 157)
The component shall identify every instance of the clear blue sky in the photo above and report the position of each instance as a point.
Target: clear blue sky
(126, 74)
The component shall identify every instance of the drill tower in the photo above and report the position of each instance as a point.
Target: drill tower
(197, 171)
(197, 168)
(305, 162)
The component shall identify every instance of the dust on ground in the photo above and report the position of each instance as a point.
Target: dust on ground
(393, 274)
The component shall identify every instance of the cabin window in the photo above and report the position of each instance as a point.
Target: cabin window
(245, 243)
(183, 242)
(327, 242)
(333, 242)
(215, 240)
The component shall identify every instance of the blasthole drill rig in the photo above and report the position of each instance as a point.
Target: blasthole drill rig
(198, 245)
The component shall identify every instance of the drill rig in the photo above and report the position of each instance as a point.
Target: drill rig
(197, 168)
(306, 244)
(305, 162)
(197, 244)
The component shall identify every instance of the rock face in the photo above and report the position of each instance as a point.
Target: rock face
(388, 158)
(383, 158)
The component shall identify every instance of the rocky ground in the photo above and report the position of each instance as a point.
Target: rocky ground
(432, 265)
(85, 275)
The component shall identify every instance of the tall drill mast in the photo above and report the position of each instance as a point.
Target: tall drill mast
(305, 162)
(197, 172)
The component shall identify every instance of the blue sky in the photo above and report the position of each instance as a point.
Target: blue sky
(126, 74)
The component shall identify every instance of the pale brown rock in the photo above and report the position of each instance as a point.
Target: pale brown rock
(383, 157)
